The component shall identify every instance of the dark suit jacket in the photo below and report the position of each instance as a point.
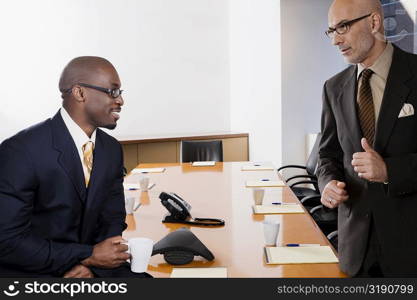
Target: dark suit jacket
(49, 221)
(393, 207)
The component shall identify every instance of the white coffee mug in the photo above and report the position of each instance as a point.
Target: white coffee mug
(140, 250)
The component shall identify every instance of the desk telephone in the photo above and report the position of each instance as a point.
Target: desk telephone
(179, 210)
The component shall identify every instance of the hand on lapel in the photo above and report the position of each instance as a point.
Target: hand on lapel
(406, 111)
(369, 164)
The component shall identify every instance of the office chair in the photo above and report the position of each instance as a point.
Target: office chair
(201, 151)
(310, 168)
(311, 201)
(333, 239)
(326, 218)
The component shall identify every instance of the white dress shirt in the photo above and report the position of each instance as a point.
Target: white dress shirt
(78, 135)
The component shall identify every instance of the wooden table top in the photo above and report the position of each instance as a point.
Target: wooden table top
(220, 192)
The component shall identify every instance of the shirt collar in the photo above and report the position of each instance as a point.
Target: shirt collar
(382, 65)
(78, 135)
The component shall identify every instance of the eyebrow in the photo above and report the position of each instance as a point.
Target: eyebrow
(340, 23)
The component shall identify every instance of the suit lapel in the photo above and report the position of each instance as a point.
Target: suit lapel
(395, 95)
(68, 157)
(347, 101)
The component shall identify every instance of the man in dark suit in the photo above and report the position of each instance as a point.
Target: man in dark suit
(368, 150)
(61, 184)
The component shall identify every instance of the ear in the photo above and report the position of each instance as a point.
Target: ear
(376, 23)
(78, 93)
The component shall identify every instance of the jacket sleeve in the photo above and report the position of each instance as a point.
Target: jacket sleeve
(113, 215)
(402, 170)
(20, 247)
(330, 162)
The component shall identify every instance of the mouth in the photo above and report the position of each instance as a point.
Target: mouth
(344, 51)
(115, 113)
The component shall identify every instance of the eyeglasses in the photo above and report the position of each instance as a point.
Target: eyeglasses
(114, 93)
(344, 27)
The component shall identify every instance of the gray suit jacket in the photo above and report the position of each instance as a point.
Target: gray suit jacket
(393, 207)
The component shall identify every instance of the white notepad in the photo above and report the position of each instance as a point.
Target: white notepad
(147, 170)
(300, 255)
(203, 163)
(199, 272)
(278, 209)
(136, 186)
(258, 167)
(261, 183)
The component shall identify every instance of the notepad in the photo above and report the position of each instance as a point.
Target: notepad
(278, 209)
(199, 272)
(136, 186)
(261, 183)
(147, 170)
(300, 255)
(203, 163)
(258, 167)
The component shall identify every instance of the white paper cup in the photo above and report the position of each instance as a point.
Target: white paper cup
(130, 204)
(258, 196)
(140, 250)
(144, 184)
(271, 229)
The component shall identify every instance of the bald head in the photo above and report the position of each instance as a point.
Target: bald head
(82, 69)
(355, 8)
(356, 27)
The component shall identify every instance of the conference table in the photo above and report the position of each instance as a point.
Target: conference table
(220, 192)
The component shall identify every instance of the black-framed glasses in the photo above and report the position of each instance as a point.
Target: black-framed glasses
(343, 27)
(114, 93)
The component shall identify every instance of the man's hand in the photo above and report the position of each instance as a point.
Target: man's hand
(334, 193)
(110, 253)
(369, 164)
(79, 271)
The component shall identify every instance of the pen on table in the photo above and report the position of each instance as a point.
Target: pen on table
(280, 203)
(302, 245)
(137, 206)
(265, 180)
(133, 189)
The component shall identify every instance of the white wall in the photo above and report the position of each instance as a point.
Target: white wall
(172, 57)
(308, 60)
(255, 75)
(186, 65)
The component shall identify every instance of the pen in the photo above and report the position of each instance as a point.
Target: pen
(265, 179)
(133, 189)
(137, 206)
(302, 245)
(256, 165)
(279, 203)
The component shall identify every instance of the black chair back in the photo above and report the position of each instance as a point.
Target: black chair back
(201, 151)
(311, 165)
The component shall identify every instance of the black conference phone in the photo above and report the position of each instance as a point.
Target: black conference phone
(179, 210)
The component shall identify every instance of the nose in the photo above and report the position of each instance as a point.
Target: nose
(120, 101)
(336, 39)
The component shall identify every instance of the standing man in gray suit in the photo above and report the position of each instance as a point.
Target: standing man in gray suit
(368, 151)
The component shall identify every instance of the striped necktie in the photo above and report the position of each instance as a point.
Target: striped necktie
(366, 108)
(88, 149)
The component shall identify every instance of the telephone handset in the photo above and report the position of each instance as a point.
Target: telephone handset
(180, 212)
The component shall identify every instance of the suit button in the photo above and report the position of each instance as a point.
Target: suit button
(367, 215)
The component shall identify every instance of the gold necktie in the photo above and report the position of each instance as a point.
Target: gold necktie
(366, 107)
(88, 159)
